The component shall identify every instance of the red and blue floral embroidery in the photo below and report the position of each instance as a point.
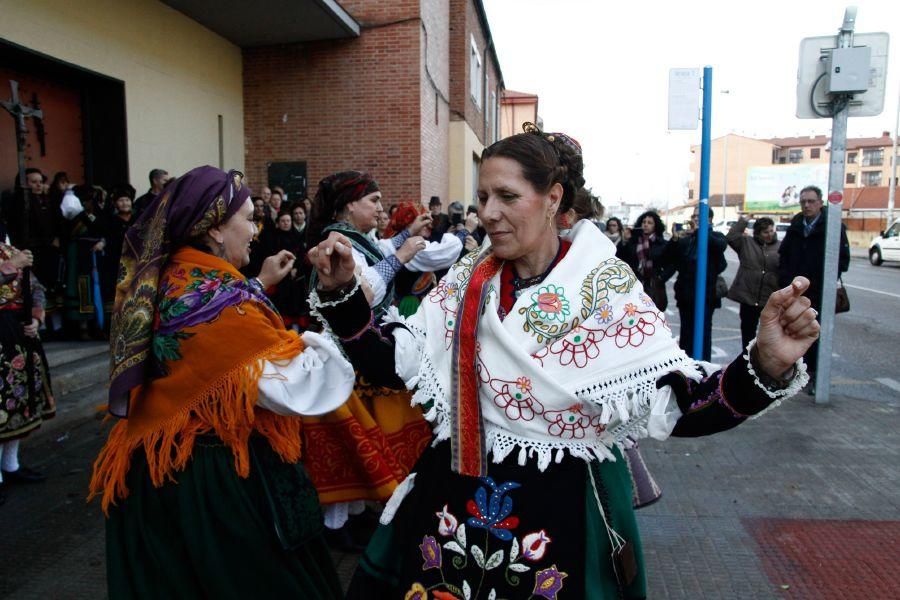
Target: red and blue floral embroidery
(490, 510)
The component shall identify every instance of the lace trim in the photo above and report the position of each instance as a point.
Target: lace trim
(426, 385)
(500, 443)
(315, 303)
(797, 383)
(629, 395)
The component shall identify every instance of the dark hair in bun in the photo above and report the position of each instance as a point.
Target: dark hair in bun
(545, 158)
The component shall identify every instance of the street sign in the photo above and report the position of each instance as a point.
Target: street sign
(811, 73)
(684, 98)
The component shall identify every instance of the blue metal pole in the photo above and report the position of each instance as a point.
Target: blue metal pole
(703, 222)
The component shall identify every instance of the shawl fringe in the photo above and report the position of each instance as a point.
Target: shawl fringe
(226, 408)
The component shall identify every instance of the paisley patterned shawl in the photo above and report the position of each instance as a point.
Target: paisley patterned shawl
(186, 208)
(212, 332)
(573, 367)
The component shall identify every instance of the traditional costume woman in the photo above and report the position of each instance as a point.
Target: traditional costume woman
(200, 479)
(26, 397)
(533, 386)
(83, 242)
(364, 449)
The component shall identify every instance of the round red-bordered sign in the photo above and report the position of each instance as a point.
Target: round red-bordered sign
(835, 197)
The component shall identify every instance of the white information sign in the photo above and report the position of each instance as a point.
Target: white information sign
(684, 98)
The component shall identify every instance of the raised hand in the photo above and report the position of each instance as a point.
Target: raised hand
(472, 222)
(333, 261)
(21, 259)
(787, 328)
(276, 267)
(422, 221)
(410, 248)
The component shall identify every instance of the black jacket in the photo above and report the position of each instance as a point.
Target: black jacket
(681, 255)
(802, 255)
(629, 253)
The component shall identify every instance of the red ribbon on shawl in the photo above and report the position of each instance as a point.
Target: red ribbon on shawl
(467, 429)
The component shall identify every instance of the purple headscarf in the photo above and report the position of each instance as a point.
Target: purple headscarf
(185, 209)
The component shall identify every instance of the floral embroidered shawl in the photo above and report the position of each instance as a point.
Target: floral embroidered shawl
(573, 367)
(212, 331)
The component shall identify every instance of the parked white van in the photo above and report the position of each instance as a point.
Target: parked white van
(886, 246)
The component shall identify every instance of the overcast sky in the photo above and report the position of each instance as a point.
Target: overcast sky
(601, 72)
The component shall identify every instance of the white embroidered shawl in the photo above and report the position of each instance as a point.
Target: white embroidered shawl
(572, 367)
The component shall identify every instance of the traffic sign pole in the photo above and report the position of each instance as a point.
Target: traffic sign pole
(834, 211)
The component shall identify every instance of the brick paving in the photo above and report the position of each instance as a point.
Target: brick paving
(806, 497)
(830, 559)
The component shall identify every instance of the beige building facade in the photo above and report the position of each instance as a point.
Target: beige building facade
(182, 82)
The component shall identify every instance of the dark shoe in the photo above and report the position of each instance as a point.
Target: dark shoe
(23, 475)
(2, 495)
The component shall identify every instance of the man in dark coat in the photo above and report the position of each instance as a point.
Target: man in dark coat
(802, 252)
(681, 255)
(158, 179)
(440, 222)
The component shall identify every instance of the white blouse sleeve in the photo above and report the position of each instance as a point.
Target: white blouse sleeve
(408, 347)
(315, 382)
(373, 277)
(434, 257)
(437, 255)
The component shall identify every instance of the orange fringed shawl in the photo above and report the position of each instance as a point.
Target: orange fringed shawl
(212, 334)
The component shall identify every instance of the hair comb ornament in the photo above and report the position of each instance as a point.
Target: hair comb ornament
(529, 127)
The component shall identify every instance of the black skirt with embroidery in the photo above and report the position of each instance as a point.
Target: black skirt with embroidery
(21, 412)
(517, 533)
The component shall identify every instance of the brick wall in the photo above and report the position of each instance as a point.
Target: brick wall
(345, 104)
(464, 24)
(435, 95)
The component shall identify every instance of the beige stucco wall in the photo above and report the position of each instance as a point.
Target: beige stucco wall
(513, 115)
(464, 145)
(743, 153)
(179, 76)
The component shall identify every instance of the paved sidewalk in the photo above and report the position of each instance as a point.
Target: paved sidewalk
(803, 503)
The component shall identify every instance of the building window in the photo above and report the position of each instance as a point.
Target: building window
(851, 177)
(871, 178)
(795, 155)
(815, 153)
(873, 157)
(851, 157)
(690, 193)
(475, 73)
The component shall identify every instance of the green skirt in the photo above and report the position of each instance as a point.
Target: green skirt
(212, 534)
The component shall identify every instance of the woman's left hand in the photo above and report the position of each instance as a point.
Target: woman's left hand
(787, 328)
(275, 268)
(31, 330)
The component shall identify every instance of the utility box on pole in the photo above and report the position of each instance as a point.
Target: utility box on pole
(837, 79)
